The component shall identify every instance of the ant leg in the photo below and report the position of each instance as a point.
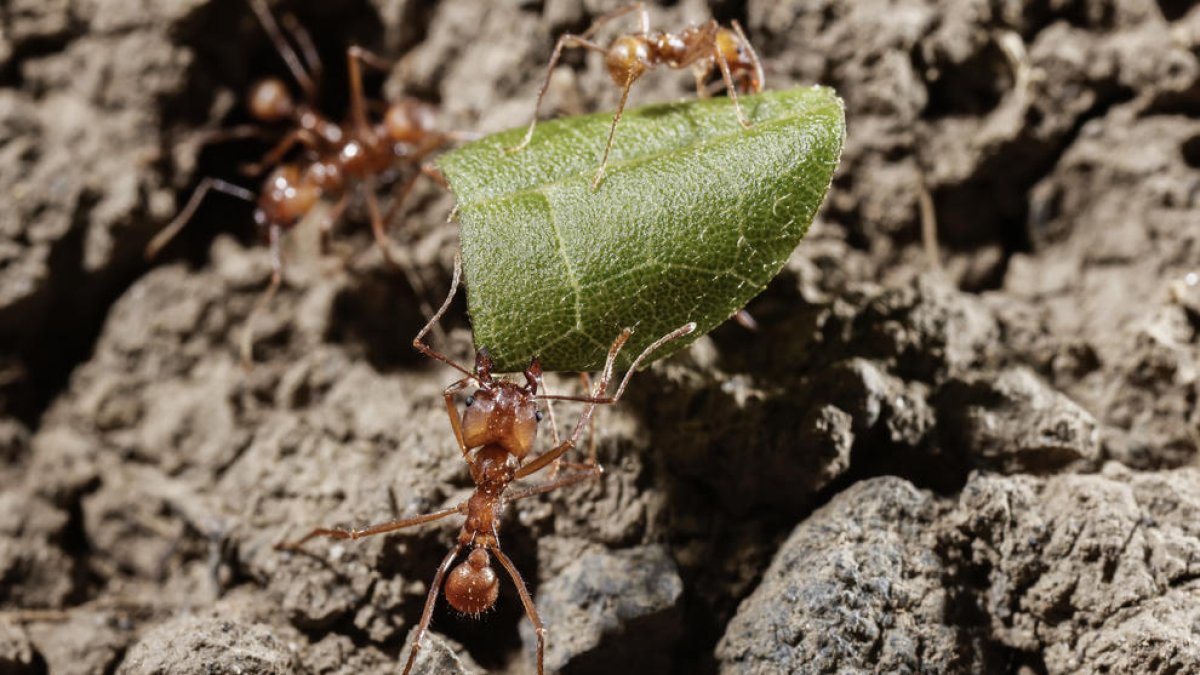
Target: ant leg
(435, 174)
(308, 48)
(384, 243)
(759, 81)
(639, 7)
(587, 386)
(285, 50)
(555, 438)
(564, 41)
(612, 132)
(169, 232)
(530, 609)
(682, 331)
(700, 72)
(359, 533)
(329, 220)
(552, 455)
(276, 153)
(731, 87)
(584, 473)
(247, 347)
(452, 412)
(237, 133)
(425, 349)
(430, 601)
(356, 57)
(746, 320)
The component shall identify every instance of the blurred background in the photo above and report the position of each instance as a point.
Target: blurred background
(963, 439)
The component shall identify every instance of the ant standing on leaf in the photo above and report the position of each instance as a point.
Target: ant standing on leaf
(702, 47)
(496, 433)
(338, 157)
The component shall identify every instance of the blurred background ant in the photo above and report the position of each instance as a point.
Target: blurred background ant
(336, 157)
(630, 55)
(495, 434)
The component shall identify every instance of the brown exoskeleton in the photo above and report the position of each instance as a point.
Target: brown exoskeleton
(496, 434)
(629, 56)
(338, 157)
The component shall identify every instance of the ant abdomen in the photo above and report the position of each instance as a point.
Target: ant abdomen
(472, 586)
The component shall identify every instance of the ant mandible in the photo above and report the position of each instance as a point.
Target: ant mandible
(340, 156)
(495, 434)
(629, 56)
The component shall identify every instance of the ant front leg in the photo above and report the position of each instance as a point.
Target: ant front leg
(731, 87)
(356, 57)
(384, 243)
(452, 412)
(612, 131)
(564, 41)
(758, 81)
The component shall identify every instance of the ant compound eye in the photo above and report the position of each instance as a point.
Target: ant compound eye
(537, 415)
(470, 401)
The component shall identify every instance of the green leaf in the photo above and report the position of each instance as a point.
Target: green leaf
(695, 215)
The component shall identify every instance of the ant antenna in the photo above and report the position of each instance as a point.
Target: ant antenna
(285, 50)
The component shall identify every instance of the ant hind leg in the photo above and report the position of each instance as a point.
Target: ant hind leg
(527, 601)
(430, 601)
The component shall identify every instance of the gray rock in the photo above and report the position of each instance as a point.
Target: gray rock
(17, 654)
(1014, 422)
(1097, 573)
(856, 587)
(203, 645)
(611, 610)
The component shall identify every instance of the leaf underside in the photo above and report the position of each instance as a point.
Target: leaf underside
(694, 216)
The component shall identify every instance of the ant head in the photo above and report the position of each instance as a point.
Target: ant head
(472, 586)
(408, 120)
(502, 413)
(270, 101)
(739, 57)
(287, 196)
(627, 59)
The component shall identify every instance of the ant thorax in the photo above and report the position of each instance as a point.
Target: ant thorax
(504, 414)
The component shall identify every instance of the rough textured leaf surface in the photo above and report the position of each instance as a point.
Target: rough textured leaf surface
(695, 215)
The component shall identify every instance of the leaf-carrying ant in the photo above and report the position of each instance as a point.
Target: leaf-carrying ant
(338, 157)
(496, 433)
(702, 47)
